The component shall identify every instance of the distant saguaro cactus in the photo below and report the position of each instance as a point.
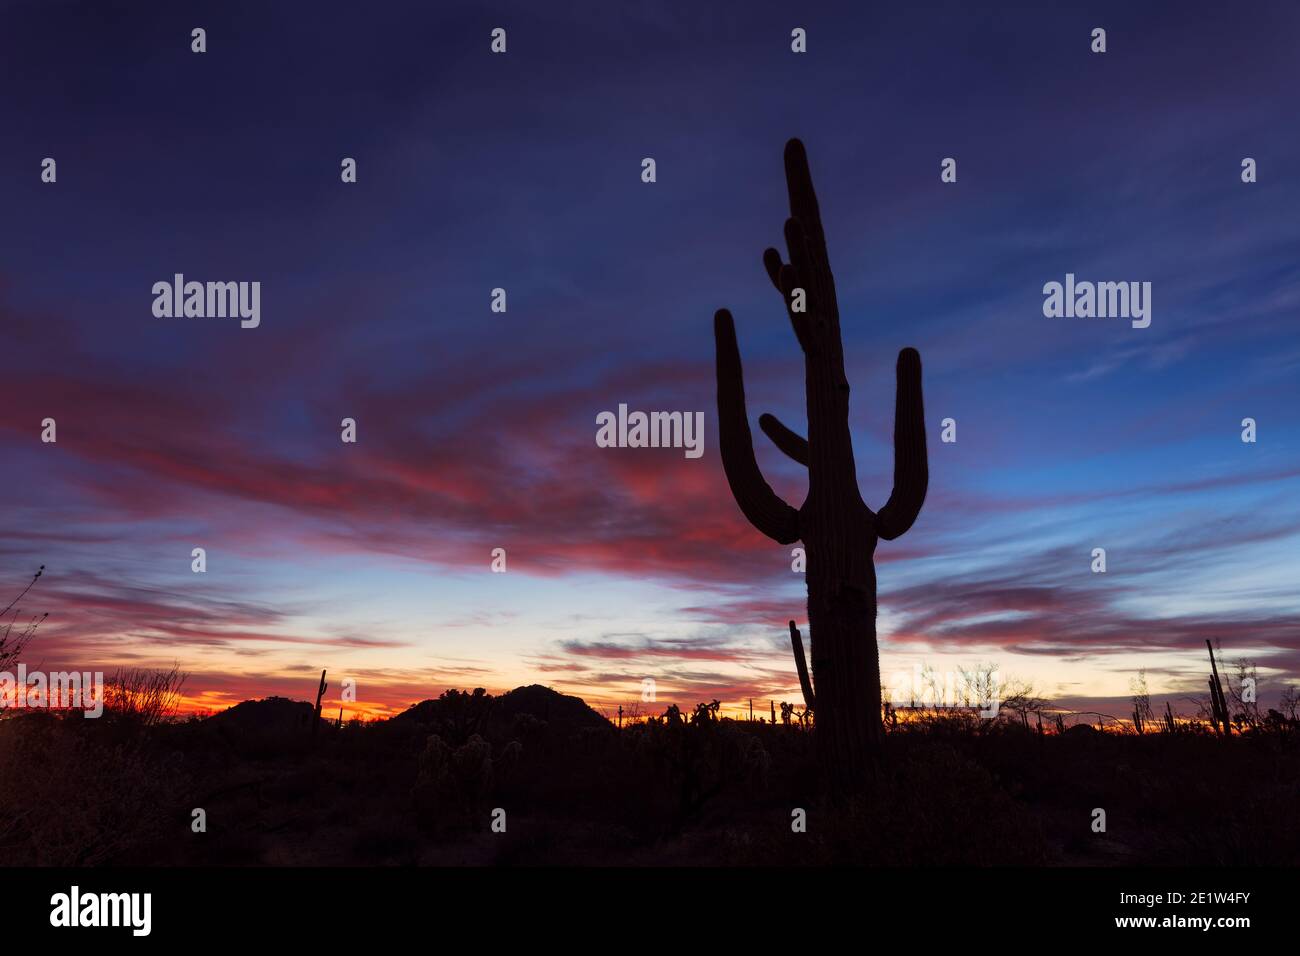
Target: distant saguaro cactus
(1218, 703)
(837, 528)
(320, 693)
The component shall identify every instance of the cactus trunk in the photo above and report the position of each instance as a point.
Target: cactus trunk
(847, 669)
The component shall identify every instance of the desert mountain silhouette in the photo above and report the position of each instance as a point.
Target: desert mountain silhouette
(559, 711)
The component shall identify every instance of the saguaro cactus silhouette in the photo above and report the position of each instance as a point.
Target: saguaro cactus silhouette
(320, 693)
(1218, 703)
(837, 528)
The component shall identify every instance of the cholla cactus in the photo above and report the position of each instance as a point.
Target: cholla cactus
(755, 762)
(472, 765)
(505, 765)
(458, 780)
(434, 766)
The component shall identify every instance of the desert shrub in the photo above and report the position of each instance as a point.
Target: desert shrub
(143, 697)
(931, 807)
(72, 794)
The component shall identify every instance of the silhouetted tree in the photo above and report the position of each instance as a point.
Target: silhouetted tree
(1243, 691)
(12, 644)
(1289, 702)
(837, 528)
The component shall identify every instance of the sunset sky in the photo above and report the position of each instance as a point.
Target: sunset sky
(476, 430)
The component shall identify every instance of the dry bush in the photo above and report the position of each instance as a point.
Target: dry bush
(12, 643)
(143, 697)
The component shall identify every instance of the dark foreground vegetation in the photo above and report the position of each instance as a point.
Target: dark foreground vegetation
(421, 788)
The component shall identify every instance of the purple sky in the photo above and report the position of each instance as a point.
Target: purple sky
(477, 429)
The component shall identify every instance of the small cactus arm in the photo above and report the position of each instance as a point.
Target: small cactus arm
(837, 528)
(801, 665)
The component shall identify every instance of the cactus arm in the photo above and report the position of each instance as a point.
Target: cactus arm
(801, 665)
(911, 469)
(785, 279)
(759, 503)
(773, 264)
(794, 446)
